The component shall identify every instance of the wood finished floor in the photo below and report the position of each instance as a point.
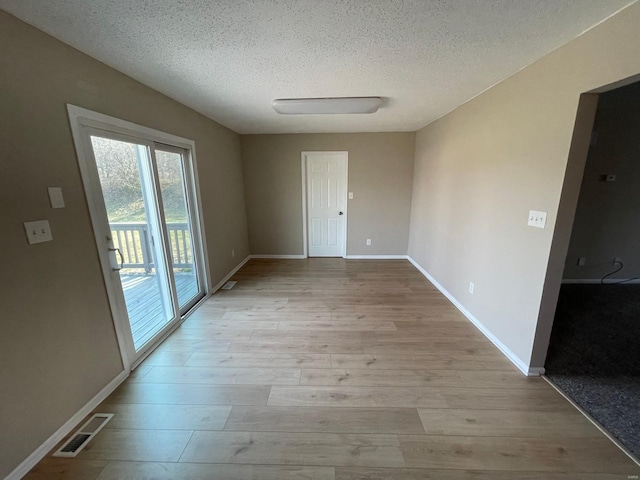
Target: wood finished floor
(332, 369)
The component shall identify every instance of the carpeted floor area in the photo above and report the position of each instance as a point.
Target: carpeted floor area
(594, 355)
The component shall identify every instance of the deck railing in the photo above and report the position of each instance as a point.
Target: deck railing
(134, 241)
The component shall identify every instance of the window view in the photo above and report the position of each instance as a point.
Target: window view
(174, 201)
(121, 169)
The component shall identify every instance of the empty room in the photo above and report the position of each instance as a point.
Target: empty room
(291, 239)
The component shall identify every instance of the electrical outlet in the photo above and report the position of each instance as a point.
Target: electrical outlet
(617, 260)
(350, 195)
(368, 242)
(233, 252)
(582, 261)
(471, 287)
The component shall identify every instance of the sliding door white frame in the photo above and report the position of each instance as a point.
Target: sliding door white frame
(81, 121)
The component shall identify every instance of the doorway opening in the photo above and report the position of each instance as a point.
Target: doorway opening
(595, 340)
(324, 203)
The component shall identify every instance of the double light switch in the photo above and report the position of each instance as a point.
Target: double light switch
(38, 231)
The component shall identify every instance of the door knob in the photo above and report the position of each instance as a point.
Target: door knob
(341, 213)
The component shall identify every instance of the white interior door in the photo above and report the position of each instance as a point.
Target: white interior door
(326, 203)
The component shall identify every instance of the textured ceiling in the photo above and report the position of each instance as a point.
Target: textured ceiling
(229, 59)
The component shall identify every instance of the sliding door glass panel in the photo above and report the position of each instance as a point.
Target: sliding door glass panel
(124, 171)
(173, 190)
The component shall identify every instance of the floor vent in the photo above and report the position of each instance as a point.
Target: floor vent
(80, 439)
(229, 285)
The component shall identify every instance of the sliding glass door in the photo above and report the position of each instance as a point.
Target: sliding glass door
(126, 179)
(144, 210)
(173, 177)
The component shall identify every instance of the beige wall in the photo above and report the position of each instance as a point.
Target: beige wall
(607, 221)
(380, 177)
(58, 347)
(481, 168)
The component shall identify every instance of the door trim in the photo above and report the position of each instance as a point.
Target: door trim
(303, 160)
(81, 118)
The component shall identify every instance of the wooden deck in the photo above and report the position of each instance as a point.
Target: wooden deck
(336, 370)
(144, 305)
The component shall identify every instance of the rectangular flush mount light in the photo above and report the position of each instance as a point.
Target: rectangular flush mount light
(335, 105)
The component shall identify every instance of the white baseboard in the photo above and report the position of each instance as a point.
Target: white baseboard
(376, 257)
(517, 361)
(608, 281)
(535, 371)
(348, 257)
(33, 459)
(219, 285)
(277, 256)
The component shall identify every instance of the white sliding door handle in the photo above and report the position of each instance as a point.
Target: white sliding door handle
(121, 266)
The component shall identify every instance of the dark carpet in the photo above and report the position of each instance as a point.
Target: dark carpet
(594, 355)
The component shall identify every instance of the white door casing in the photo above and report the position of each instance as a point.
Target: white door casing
(326, 202)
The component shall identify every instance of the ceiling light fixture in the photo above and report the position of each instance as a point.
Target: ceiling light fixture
(333, 105)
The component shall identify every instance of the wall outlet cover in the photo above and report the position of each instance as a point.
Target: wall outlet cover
(55, 197)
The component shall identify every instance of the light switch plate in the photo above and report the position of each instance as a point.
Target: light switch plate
(537, 219)
(38, 231)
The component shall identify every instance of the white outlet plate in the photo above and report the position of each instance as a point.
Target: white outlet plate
(38, 231)
(368, 242)
(537, 219)
(472, 287)
(350, 195)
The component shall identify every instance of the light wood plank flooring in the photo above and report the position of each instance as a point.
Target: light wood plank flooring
(332, 369)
